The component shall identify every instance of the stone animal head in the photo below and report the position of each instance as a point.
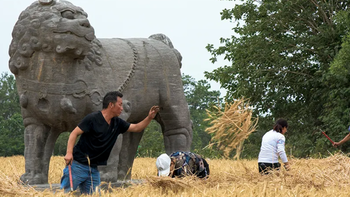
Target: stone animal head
(54, 27)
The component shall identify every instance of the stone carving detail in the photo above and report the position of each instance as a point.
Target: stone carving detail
(62, 72)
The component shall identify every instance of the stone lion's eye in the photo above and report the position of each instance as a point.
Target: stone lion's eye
(68, 14)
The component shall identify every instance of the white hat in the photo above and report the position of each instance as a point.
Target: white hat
(163, 165)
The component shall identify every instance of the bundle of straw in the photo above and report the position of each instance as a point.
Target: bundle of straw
(232, 126)
(175, 185)
(10, 186)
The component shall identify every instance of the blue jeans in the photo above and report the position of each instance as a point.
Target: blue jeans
(87, 178)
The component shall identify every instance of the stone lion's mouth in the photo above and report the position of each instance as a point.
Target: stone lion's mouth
(89, 36)
(87, 33)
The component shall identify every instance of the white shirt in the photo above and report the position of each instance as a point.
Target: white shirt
(272, 146)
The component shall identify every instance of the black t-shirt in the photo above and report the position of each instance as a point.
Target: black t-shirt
(98, 138)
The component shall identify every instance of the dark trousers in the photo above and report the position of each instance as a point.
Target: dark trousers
(265, 168)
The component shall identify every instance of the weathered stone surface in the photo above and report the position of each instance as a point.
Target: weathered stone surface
(62, 73)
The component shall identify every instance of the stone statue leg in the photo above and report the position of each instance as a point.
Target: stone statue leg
(176, 140)
(35, 138)
(176, 127)
(48, 151)
(109, 173)
(128, 151)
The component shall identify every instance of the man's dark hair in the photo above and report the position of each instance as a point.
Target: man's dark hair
(280, 124)
(111, 97)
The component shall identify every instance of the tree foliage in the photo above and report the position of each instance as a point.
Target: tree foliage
(281, 60)
(61, 144)
(152, 143)
(11, 122)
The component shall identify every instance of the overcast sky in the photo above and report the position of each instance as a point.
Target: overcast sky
(190, 25)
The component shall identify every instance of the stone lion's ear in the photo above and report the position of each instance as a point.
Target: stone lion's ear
(46, 2)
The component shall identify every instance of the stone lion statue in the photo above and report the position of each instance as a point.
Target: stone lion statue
(63, 71)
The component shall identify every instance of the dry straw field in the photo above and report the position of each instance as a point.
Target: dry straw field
(308, 177)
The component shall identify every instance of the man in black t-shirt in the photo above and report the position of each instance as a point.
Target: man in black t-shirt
(99, 131)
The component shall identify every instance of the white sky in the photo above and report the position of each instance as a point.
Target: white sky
(190, 25)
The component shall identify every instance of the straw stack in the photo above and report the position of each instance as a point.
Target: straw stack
(231, 126)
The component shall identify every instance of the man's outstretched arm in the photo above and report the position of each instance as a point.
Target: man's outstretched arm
(145, 122)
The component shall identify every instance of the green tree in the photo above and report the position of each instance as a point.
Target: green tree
(152, 143)
(61, 144)
(337, 106)
(11, 122)
(280, 60)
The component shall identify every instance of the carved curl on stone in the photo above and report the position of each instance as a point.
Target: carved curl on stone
(46, 2)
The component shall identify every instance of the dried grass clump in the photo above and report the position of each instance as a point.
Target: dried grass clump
(232, 126)
(9, 186)
(175, 185)
(11, 168)
(308, 177)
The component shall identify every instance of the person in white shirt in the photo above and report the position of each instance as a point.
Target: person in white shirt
(272, 147)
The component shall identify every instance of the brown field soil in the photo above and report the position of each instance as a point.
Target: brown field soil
(308, 177)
